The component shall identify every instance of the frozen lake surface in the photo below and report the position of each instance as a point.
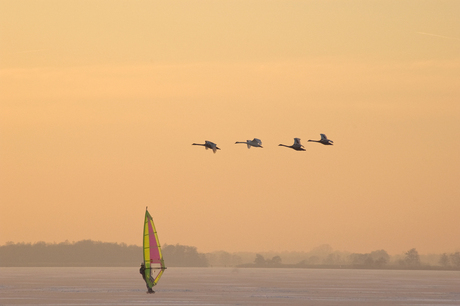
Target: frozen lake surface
(228, 286)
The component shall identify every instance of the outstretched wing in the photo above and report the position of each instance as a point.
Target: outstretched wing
(211, 145)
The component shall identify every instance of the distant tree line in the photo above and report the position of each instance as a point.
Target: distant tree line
(450, 261)
(81, 253)
(373, 260)
(183, 256)
(104, 254)
(262, 261)
(92, 253)
(223, 259)
(379, 259)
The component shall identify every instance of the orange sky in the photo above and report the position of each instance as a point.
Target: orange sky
(100, 102)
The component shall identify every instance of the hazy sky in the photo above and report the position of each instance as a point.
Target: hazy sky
(100, 102)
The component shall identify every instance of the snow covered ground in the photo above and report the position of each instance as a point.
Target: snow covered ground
(228, 286)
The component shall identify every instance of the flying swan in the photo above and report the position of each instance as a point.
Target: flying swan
(252, 143)
(296, 146)
(323, 140)
(207, 145)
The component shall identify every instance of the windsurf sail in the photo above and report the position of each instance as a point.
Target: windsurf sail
(153, 258)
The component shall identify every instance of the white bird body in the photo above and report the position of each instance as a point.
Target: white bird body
(252, 143)
(296, 146)
(323, 140)
(207, 145)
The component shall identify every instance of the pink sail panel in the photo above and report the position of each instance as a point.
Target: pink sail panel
(155, 256)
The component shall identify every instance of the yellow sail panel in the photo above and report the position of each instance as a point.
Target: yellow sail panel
(158, 276)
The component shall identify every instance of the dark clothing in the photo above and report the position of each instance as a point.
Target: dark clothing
(142, 271)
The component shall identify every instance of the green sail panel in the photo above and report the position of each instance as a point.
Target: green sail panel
(153, 258)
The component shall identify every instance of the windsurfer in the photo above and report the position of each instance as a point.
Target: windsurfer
(142, 272)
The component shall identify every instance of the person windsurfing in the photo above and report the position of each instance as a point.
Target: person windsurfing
(142, 272)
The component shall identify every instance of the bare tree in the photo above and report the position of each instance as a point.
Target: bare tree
(276, 260)
(455, 259)
(412, 258)
(444, 260)
(260, 260)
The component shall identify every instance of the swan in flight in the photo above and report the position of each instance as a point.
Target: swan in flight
(252, 143)
(323, 140)
(296, 146)
(207, 145)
